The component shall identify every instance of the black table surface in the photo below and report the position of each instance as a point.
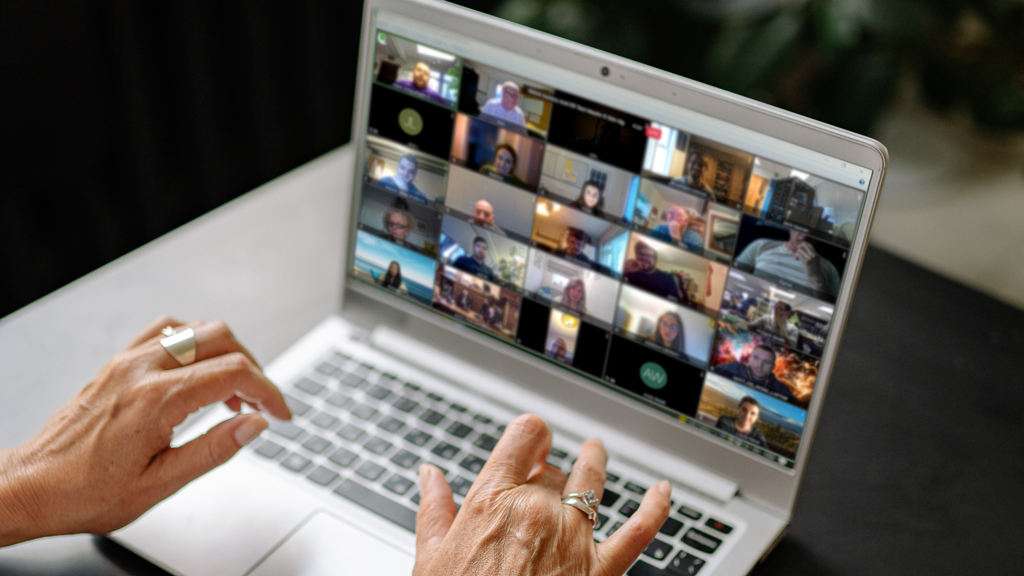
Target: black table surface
(917, 459)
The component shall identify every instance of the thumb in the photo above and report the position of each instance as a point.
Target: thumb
(179, 466)
(437, 511)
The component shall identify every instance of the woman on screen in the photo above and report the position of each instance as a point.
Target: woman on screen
(393, 278)
(591, 197)
(575, 296)
(669, 332)
(504, 164)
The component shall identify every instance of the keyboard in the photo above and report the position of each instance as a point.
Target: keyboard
(361, 432)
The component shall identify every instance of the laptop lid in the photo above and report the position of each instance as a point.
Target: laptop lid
(680, 258)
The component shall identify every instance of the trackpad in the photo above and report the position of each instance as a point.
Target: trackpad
(326, 545)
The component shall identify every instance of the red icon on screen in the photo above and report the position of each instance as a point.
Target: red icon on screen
(653, 132)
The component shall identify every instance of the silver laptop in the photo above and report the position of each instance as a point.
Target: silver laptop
(539, 226)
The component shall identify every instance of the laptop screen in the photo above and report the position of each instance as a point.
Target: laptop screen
(685, 262)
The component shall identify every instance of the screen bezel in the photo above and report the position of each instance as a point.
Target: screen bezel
(758, 479)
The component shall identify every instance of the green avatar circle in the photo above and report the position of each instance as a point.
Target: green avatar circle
(653, 375)
(410, 121)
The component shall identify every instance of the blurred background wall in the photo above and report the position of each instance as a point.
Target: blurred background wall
(121, 120)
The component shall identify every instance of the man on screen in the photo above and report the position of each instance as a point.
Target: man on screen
(696, 166)
(641, 271)
(743, 424)
(777, 323)
(677, 230)
(505, 107)
(420, 84)
(474, 262)
(759, 370)
(402, 181)
(574, 241)
(795, 261)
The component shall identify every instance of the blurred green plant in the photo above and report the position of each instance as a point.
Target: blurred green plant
(839, 61)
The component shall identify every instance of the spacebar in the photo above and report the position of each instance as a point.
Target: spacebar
(374, 502)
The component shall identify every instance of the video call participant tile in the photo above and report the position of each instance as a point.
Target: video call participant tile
(787, 317)
(417, 69)
(572, 287)
(759, 363)
(677, 275)
(790, 258)
(483, 253)
(563, 334)
(581, 238)
(484, 304)
(654, 376)
(591, 344)
(758, 419)
(698, 165)
(394, 268)
(598, 131)
(502, 209)
(664, 326)
(504, 99)
(810, 204)
(587, 185)
(411, 174)
(497, 153)
(410, 121)
(399, 220)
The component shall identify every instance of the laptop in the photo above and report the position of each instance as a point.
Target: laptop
(538, 226)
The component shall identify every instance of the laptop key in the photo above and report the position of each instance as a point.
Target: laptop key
(718, 525)
(379, 392)
(629, 508)
(445, 450)
(558, 453)
(378, 504)
(343, 457)
(460, 485)
(614, 527)
(658, 550)
(405, 459)
(285, 429)
(610, 478)
(671, 527)
(352, 380)
(269, 449)
(295, 462)
(635, 488)
(701, 541)
(609, 498)
(325, 420)
(323, 476)
(398, 485)
(298, 407)
(363, 411)
(482, 419)
(601, 520)
(338, 399)
(458, 407)
(415, 499)
(370, 470)
(473, 463)
(685, 563)
(377, 445)
(418, 437)
(411, 386)
(689, 512)
(405, 404)
(459, 430)
(327, 369)
(310, 387)
(435, 397)
(391, 424)
(485, 442)
(351, 432)
(432, 417)
(316, 444)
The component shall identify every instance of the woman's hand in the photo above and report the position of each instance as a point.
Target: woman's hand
(513, 521)
(105, 457)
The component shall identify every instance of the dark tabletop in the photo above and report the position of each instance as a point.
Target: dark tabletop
(915, 466)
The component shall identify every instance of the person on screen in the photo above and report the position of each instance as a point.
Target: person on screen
(778, 323)
(402, 181)
(606, 142)
(742, 425)
(463, 300)
(574, 241)
(641, 271)
(483, 213)
(696, 166)
(506, 106)
(420, 84)
(591, 198)
(397, 224)
(575, 296)
(474, 262)
(794, 260)
(392, 279)
(669, 332)
(676, 230)
(759, 370)
(558, 349)
(504, 165)
(491, 313)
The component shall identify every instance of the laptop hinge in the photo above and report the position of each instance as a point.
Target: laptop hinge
(622, 446)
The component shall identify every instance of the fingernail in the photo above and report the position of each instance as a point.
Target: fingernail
(665, 488)
(249, 429)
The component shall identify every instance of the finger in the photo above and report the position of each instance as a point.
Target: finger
(620, 549)
(191, 387)
(153, 329)
(212, 339)
(526, 441)
(176, 467)
(547, 476)
(437, 511)
(588, 471)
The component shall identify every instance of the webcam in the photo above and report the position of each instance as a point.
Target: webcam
(605, 71)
